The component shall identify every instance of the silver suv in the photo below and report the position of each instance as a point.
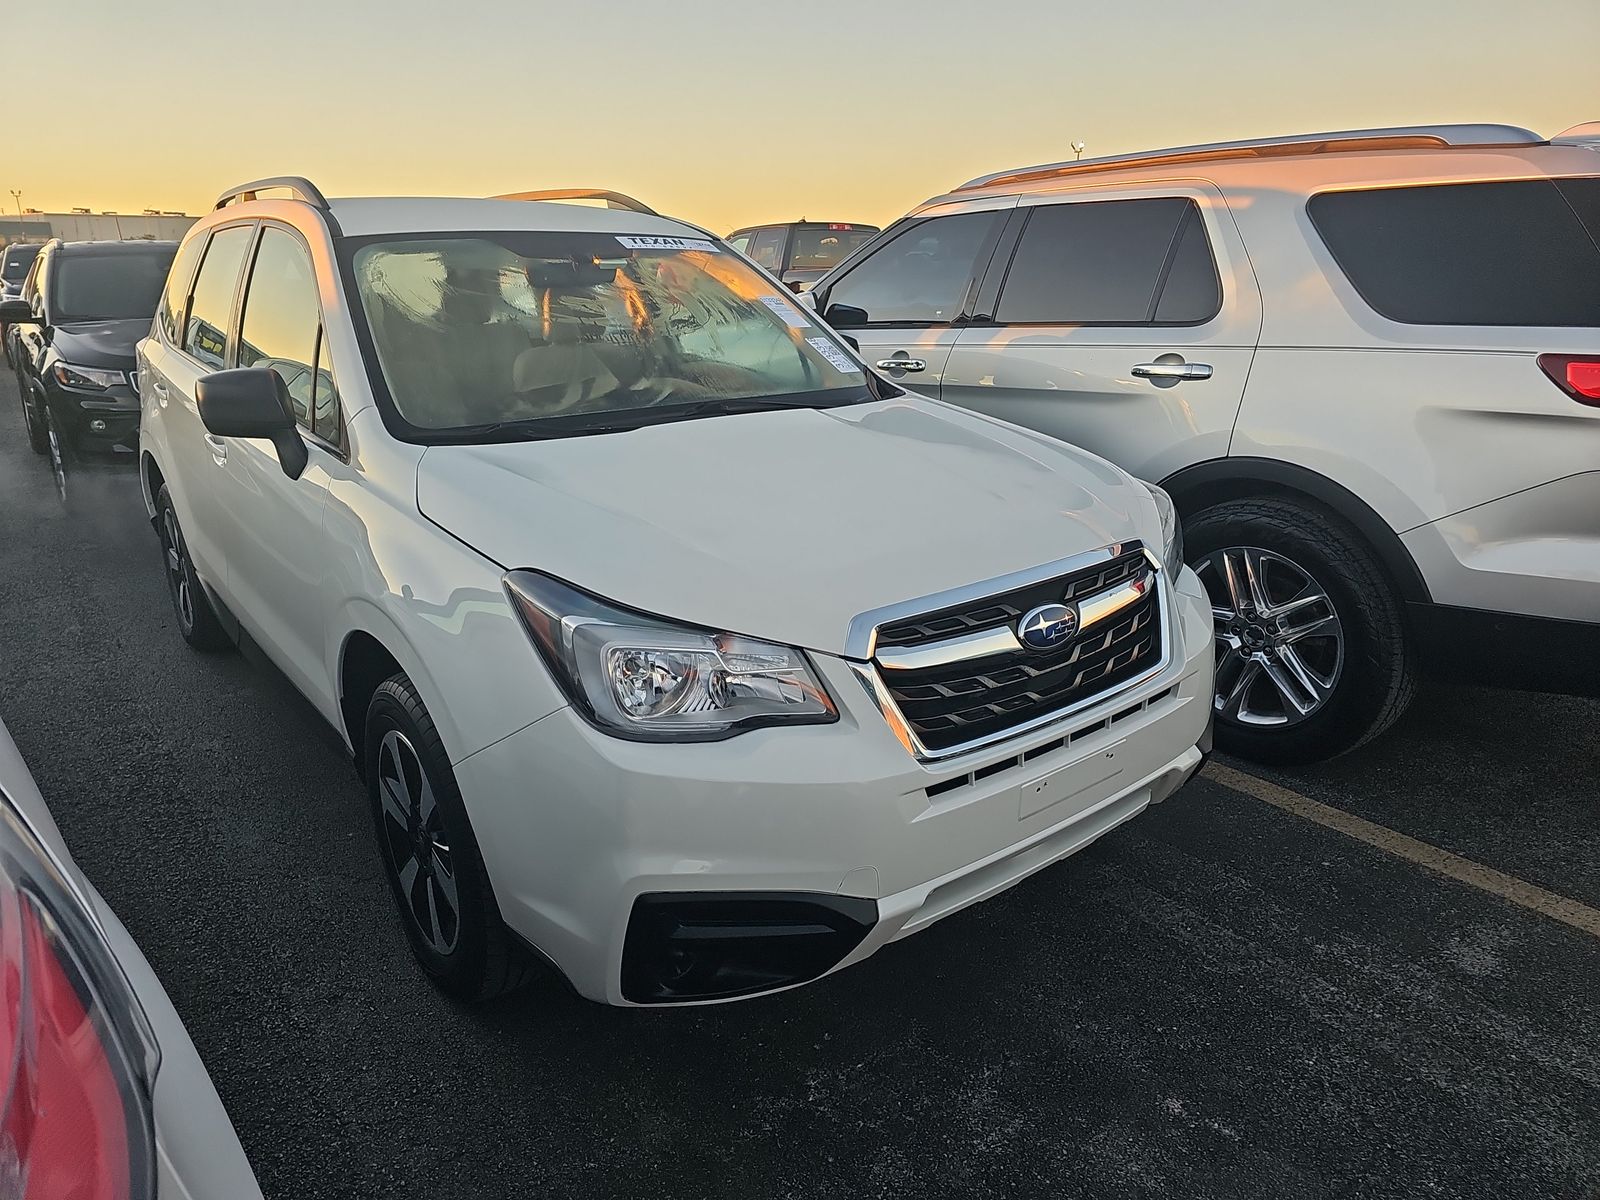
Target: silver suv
(1366, 365)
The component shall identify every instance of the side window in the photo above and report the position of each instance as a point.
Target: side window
(1192, 293)
(741, 242)
(30, 285)
(1104, 262)
(205, 336)
(327, 420)
(1516, 252)
(175, 299)
(767, 248)
(282, 324)
(920, 277)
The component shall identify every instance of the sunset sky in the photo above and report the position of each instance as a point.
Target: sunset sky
(729, 113)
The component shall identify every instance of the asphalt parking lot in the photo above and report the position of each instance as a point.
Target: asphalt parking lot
(1223, 998)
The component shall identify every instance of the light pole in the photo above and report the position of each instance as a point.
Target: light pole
(1077, 150)
(17, 196)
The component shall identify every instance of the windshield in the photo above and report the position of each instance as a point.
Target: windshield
(818, 248)
(109, 287)
(16, 262)
(484, 329)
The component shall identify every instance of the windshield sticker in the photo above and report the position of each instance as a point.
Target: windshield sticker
(840, 360)
(669, 243)
(791, 315)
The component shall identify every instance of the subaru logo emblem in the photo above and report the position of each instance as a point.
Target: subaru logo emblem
(1047, 626)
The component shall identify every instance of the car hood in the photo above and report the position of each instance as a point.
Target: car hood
(100, 343)
(784, 524)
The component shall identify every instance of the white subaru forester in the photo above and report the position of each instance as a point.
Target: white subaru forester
(673, 646)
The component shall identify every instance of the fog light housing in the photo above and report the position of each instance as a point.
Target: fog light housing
(97, 426)
(715, 945)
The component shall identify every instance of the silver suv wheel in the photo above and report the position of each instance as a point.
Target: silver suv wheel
(1280, 643)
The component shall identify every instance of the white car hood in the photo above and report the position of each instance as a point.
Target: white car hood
(784, 524)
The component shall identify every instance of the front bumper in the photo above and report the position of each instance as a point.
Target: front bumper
(96, 420)
(575, 826)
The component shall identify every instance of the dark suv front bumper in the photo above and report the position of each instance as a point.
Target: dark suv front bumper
(96, 421)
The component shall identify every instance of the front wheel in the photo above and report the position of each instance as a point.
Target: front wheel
(430, 853)
(38, 440)
(197, 620)
(1312, 653)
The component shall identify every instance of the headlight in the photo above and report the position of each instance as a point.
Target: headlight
(644, 678)
(1171, 530)
(89, 379)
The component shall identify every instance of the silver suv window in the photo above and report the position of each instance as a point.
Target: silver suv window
(1519, 252)
(919, 277)
(1116, 262)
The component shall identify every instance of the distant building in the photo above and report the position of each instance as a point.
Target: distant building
(93, 227)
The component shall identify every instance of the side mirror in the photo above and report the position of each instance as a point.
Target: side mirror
(844, 316)
(252, 402)
(16, 312)
(808, 299)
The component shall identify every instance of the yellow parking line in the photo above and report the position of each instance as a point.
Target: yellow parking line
(1463, 870)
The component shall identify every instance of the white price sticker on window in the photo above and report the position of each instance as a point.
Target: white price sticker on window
(669, 243)
(837, 357)
(788, 312)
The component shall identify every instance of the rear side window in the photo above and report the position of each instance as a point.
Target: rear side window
(1509, 253)
(175, 299)
(212, 305)
(1111, 262)
(919, 277)
(767, 248)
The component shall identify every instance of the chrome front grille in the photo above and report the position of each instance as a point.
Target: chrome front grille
(958, 676)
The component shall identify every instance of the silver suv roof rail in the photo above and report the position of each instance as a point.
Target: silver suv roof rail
(302, 188)
(1586, 135)
(612, 199)
(1404, 137)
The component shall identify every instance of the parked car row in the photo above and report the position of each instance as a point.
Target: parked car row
(683, 652)
(83, 306)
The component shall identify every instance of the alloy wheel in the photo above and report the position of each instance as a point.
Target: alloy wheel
(417, 844)
(1280, 643)
(177, 569)
(58, 458)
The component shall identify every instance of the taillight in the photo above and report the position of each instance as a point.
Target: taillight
(77, 1058)
(1576, 375)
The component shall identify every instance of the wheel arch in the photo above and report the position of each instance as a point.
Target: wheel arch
(1204, 484)
(373, 649)
(151, 480)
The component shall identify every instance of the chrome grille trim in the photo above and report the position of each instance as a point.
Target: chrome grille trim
(861, 641)
(878, 691)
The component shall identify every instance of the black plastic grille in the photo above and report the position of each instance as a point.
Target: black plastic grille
(1008, 608)
(961, 702)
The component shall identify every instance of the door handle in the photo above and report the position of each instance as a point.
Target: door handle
(902, 364)
(219, 448)
(1175, 371)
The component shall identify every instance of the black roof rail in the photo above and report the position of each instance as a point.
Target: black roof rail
(301, 187)
(612, 199)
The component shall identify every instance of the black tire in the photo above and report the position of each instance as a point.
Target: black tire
(60, 455)
(38, 439)
(482, 959)
(1367, 657)
(197, 620)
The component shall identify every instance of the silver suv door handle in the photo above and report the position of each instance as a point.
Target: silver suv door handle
(1175, 371)
(902, 364)
(219, 448)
